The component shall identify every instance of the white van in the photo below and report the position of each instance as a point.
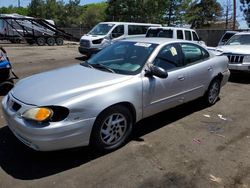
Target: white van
(104, 33)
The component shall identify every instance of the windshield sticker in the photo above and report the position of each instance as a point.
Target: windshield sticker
(146, 45)
(173, 51)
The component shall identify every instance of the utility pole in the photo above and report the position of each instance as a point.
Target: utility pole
(234, 19)
(170, 12)
(18, 3)
(227, 11)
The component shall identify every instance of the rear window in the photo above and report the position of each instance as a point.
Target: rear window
(160, 33)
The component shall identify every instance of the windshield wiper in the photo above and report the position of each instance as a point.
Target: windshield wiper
(101, 66)
(86, 64)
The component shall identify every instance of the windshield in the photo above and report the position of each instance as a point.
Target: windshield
(239, 40)
(101, 29)
(123, 57)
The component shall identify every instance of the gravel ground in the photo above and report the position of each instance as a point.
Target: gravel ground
(189, 146)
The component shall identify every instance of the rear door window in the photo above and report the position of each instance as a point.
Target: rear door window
(193, 53)
(137, 29)
(179, 34)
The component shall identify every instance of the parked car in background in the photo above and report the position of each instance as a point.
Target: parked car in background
(104, 33)
(237, 51)
(175, 33)
(98, 101)
(227, 35)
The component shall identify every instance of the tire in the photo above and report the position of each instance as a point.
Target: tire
(6, 87)
(40, 41)
(213, 92)
(51, 41)
(30, 41)
(111, 129)
(59, 41)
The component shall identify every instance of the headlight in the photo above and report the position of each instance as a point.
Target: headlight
(246, 59)
(98, 41)
(47, 113)
(38, 114)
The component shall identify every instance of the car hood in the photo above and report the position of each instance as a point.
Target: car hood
(59, 85)
(235, 49)
(92, 37)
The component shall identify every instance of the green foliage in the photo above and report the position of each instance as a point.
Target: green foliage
(93, 14)
(37, 8)
(11, 10)
(174, 12)
(137, 10)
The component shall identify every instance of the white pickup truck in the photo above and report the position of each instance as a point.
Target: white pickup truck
(175, 33)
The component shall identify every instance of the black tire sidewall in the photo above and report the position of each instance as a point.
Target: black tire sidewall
(59, 41)
(95, 139)
(40, 41)
(51, 41)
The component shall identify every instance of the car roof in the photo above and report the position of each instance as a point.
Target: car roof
(131, 23)
(155, 40)
(179, 28)
(243, 33)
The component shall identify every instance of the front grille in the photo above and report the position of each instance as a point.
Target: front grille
(13, 105)
(16, 106)
(235, 58)
(85, 43)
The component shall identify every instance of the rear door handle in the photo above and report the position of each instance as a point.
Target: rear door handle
(210, 68)
(181, 78)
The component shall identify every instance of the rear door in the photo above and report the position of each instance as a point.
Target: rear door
(198, 68)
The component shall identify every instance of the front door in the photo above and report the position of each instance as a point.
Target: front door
(160, 94)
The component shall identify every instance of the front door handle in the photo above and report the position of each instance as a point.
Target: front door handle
(181, 78)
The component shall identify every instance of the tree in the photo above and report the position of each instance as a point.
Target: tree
(37, 8)
(175, 13)
(246, 10)
(201, 13)
(137, 10)
(93, 14)
(11, 10)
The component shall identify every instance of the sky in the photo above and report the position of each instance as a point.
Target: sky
(24, 3)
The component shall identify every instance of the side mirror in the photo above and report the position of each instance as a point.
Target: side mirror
(156, 71)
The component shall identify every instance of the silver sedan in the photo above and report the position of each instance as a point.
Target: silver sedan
(98, 101)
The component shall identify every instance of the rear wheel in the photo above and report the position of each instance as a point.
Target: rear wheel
(51, 41)
(213, 92)
(111, 129)
(40, 41)
(59, 41)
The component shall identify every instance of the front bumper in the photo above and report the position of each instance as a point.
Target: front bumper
(240, 67)
(225, 78)
(55, 136)
(88, 51)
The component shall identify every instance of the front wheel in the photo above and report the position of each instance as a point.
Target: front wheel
(111, 129)
(213, 92)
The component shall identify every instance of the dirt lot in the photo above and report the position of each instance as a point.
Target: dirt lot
(190, 146)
